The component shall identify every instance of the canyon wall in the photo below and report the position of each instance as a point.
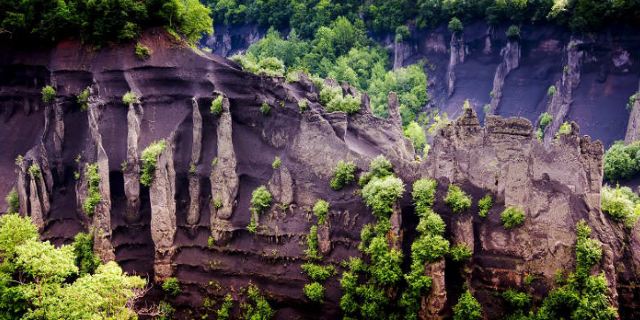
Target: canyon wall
(191, 222)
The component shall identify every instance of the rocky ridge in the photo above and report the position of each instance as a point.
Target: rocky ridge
(176, 227)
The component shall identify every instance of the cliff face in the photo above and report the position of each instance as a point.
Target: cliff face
(594, 75)
(191, 222)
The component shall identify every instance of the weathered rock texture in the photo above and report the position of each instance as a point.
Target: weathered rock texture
(178, 228)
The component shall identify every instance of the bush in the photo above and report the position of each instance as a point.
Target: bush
(424, 194)
(632, 100)
(276, 163)
(312, 252)
(216, 106)
(314, 291)
(83, 99)
(224, 313)
(129, 98)
(142, 52)
(303, 105)
(34, 170)
(318, 272)
(621, 204)
(415, 133)
(467, 308)
(86, 260)
(485, 205)
(171, 286)
(48, 94)
(320, 210)
(93, 193)
(512, 217)
(622, 161)
(378, 167)
(457, 199)
(381, 193)
(517, 300)
(13, 202)
(565, 129)
(334, 100)
(343, 175)
(551, 91)
(455, 25)
(265, 108)
(149, 160)
(260, 200)
(257, 307)
(513, 32)
(460, 252)
(429, 248)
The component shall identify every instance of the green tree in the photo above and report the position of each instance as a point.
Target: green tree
(467, 308)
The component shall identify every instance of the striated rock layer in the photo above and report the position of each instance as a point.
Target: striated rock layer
(191, 223)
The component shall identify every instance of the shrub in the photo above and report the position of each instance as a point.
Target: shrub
(485, 204)
(460, 252)
(271, 66)
(429, 248)
(83, 99)
(149, 160)
(455, 25)
(416, 134)
(86, 260)
(467, 308)
(622, 161)
(457, 199)
(142, 52)
(257, 307)
(317, 272)
(48, 94)
(265, 108)
(171, 286)
(551, 91)
(224, 313)
(260, 200)
(544, 120)
(34, 170)
(565, 129)
(303, 105)
(512, 217)
(334, 100)
(517, 300)
(320, 210)
(343, 175)
(276, 163)
(632, 100)
(424, 194)
(381, 193)
(312, 252)
(13, 202)
(621, 204)
(378, 167)
(513, 32)
(314, 291)
(129, 98)
(216, 106)
(93, 193)
(431, 223)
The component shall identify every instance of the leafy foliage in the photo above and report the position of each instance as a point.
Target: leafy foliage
(216, 106)
(513, 32)
(48, 94)
(129, 98)
(381, 193)
(621, 204)
(467, 308)
(40, 281)
(86, 260)
(317, 272)
(312, 252)
(149, 160)
(142, 52)
(13, 202)
(256, 307)
(83, 99)
(457, 199)
(455, 25)
(94, 197)
(485, 204)
(622, 161)
(334, 100)
(320, 210)
(512, 217)
(424, 194)
(260, 200)
(460, 253)
(224, 313)
(314, 291)
(416, 134)
(344, 174)
(171, 286)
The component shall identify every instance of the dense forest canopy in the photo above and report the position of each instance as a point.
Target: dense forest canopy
(99, 21)
(385, 16)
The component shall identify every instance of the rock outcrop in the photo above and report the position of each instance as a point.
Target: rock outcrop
(511, 60)
(192, 221)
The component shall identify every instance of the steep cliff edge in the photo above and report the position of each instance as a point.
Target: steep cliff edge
(177, 227)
